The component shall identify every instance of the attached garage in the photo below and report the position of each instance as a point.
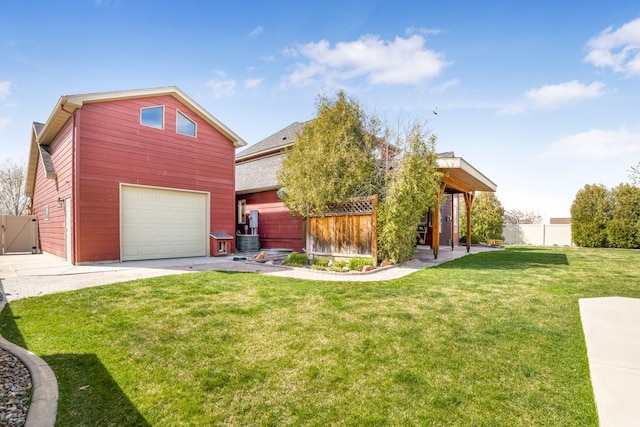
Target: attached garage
(160, 223)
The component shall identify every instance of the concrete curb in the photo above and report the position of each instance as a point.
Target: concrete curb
(44, 401)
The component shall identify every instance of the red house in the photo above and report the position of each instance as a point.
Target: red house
(129, 175)
(257, 190)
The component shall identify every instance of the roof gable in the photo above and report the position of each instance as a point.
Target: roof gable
(68, 104)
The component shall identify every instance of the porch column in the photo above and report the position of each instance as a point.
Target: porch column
(453, 221)
(468, 201)
(435, 239)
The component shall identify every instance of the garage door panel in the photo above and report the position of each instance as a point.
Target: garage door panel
(161, 223)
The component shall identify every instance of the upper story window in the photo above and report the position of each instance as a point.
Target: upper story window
(152, 116)
(185, 125)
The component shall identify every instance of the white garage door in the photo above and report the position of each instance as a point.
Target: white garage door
(160, 223)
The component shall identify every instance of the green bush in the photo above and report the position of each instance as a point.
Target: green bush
(320, 262)
(339, 263)
(295, 259)
(358, 263)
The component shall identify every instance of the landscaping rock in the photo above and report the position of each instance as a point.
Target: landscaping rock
(367, 268)
(15, 390)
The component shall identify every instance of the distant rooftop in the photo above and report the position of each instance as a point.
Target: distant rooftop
(276, 142)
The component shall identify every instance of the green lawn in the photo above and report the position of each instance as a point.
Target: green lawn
(491, 339)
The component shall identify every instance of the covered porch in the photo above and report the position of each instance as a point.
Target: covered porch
(460, 178)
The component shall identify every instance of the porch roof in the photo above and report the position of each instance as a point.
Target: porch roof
(461, 177)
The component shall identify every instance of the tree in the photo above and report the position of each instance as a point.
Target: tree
(487, 215)
(12, 180)
(590, 213)
(412, 188)
(516, 216)
(623, 229)
(332, 159)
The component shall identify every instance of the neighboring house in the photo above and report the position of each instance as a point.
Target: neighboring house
(257, 190)
(134, 174)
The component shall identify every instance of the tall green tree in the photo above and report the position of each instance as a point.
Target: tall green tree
(590, 213)
(487, 215)
(623, 229)
(332, 159)
(412, 188)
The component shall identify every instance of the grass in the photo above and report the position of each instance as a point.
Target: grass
(491, 339)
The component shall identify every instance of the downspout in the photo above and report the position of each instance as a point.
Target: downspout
(74, 185)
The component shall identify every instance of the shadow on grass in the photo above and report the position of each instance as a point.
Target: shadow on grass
(514, 258)
(88, 393)
(9, 329)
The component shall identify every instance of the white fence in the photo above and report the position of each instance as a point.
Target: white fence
(537, 234)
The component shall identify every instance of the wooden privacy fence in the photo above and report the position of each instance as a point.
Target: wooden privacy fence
(346, 230)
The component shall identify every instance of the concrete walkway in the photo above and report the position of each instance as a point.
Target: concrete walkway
(27, 275)
(612, 333)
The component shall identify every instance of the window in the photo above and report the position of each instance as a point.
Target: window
(185, 125)
(46, 213)
(242, 211)
(153, 117)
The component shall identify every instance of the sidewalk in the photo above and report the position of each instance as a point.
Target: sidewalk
(612, 333)
(27, 275)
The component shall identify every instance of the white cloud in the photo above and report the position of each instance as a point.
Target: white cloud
(401, 61)
(551, 97)
(251, 83)
(617, 49)
(222, 87)
(445, 86)
(5, 89)
(422, 30)
(255, 32)
(4, 122)
(595, 144)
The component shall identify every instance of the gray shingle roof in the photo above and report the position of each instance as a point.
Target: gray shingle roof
(47, 162)
(258, 174)
(276, 142)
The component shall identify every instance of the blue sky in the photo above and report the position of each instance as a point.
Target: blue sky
(543, 97)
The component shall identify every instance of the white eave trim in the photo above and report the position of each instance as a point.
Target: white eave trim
(460, 163)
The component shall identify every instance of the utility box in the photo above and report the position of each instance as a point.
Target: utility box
(253, 220)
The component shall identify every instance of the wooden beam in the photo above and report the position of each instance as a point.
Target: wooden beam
(468, 201)
(435, 239)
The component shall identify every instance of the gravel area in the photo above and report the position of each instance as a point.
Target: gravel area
(15, 390)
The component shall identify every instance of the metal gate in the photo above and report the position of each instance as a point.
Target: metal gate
(19, 233)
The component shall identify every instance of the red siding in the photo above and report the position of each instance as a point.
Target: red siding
(112, 147)
(277, 228)
(47, 192)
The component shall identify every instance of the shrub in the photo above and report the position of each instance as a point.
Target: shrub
(320, 262)
(358, 263)
(339, 263)
(295, 259)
